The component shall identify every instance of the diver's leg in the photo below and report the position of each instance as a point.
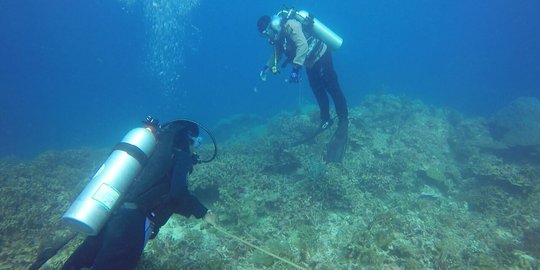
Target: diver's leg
(315, 76)
(123, 242)
(333, 88)
(335, 149)
(85, 254)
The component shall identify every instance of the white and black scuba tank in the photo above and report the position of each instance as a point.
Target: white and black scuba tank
(320, 30)
(94, 205)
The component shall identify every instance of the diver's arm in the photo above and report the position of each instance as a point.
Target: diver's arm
(184, 202)
(275, 57)
(293, 29)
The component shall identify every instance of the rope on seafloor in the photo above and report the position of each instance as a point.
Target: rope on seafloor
(255, 247)
(300, 95)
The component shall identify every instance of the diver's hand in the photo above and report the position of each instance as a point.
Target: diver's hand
(295, 74)
(264, 72)
(210, 217)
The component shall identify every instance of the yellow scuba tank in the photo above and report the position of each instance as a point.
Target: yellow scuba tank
(319, 29)
(89, 212)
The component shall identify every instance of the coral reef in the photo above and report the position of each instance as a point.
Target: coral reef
(239, 126)
(420, 188)
(34, 196)
(518, 124)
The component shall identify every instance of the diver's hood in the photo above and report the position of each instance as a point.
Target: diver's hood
(190, 128)
(182, 125)
(273, 30)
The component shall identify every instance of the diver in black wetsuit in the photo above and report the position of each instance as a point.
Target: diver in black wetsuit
(159, 191)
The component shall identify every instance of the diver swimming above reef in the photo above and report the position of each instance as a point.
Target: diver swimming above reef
(135, 192)
(306, 42)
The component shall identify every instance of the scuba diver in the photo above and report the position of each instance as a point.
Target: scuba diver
(307, 43)
(158, 191)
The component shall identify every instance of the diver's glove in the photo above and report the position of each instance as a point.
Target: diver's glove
(295, 74)
(264, 72)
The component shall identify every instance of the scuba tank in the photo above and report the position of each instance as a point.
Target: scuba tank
(319, 29)
(89, 212)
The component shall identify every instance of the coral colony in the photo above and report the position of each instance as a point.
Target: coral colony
(420, 188)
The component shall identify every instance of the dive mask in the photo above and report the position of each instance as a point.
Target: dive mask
(273, 29)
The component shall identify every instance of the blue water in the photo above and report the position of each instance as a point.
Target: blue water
(81, 73)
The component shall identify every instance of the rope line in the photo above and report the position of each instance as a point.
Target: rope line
(256, 247)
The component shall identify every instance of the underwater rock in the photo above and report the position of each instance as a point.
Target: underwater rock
(531, 241)
(430, 192)
(236, 125)
(518, 124)
(438, 177)
(512, 178)
(284, 163)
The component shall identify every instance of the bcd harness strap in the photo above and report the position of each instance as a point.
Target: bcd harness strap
(133, 151)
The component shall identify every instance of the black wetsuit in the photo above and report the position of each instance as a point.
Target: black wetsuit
(120, 243)
(323, 81)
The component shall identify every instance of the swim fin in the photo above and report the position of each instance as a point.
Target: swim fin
(50, 249)
(335, 149)
(324, 126)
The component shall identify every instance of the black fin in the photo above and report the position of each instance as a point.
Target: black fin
(336, 148)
